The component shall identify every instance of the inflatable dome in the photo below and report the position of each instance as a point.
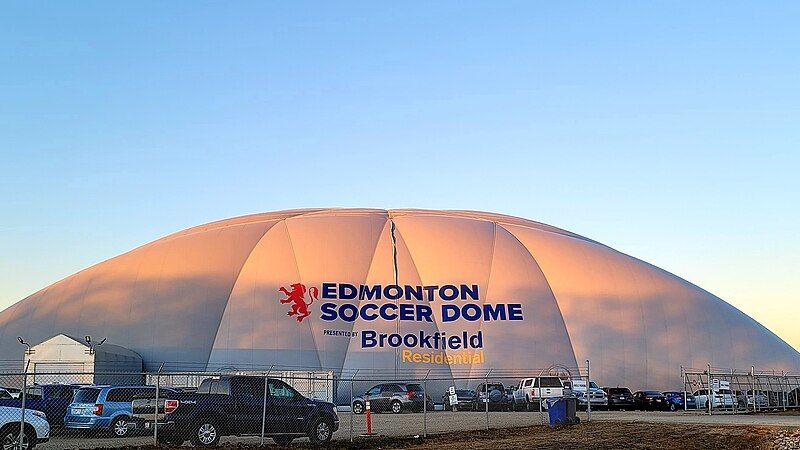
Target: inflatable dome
(403, 289)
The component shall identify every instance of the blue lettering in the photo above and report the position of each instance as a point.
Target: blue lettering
(368, 339)
(424, 313)
(413, 292)
(406, 311)
(494, 312)
(429, 290)
(365, 315)
(348, 312)
(347, 291)
(448, 292)
(450, 313)
(387, 292)
(329, 291)
(514, 311)
(369, 294)
(328, 311)
(386, 315)
(471, 312)
(467, 291)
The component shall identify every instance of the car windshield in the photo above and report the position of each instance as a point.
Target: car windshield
(86, 395)
(464, 393)
(593, 385)
(652, 393)
(415, 387)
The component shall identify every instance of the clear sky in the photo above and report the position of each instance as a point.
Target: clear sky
(667, 130)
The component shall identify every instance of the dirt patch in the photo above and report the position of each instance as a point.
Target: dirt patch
(595, 435)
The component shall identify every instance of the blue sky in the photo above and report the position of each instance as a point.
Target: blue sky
(667, 130)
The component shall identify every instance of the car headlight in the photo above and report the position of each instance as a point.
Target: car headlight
(39, 414)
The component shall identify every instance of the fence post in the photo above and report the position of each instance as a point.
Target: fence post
(352, 379)
(710, 392)
(588, 398)
(264, 409)
(486, 400)
(425, 405)
(753, 384)
(783, 391)
(155, 421)
(684, 380)
(539, 394)
(22, 409)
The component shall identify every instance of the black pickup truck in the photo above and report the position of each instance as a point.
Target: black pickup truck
(234, 406)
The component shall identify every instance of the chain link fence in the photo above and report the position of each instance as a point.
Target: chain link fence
(268, 405)
(725, 390)
(274, 405)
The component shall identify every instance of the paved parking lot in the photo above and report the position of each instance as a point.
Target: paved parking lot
(445, 421)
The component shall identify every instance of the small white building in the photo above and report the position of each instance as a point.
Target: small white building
(65, 359)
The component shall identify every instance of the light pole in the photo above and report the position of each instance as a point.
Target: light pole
(92, 346)
(28, 351)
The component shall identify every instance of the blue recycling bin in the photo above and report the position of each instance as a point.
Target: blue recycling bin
(561, 411)
(557, 410)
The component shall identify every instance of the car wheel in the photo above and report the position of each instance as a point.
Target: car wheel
(397, 407)
(358, 408)
(119, 428)
(283, 440)
(321, 431)
(10, 437)
(206, 434)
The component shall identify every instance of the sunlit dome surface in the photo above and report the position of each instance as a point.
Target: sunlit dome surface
(210, 297)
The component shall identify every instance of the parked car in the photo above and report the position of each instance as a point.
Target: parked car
(746, 399)
(590, 394)
(493, 394)
(619, 398)
(234, 406)
(722, 398)
(104, 408)
(675, 400)
(531, 391)
(51, 399)
(37, 430)
(393, 397)
(465, 398)
(649, 400)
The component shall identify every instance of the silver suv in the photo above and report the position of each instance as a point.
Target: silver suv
(393, 397)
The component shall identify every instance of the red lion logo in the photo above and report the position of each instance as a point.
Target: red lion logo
(297, 297)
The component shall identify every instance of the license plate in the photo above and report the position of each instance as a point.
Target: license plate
(78, 411)
(147, 424)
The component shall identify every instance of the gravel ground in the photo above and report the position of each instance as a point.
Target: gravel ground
(519, 430)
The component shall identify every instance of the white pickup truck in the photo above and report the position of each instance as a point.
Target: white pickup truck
(531, 391)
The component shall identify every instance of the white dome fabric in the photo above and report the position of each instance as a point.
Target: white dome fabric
(211, 297)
